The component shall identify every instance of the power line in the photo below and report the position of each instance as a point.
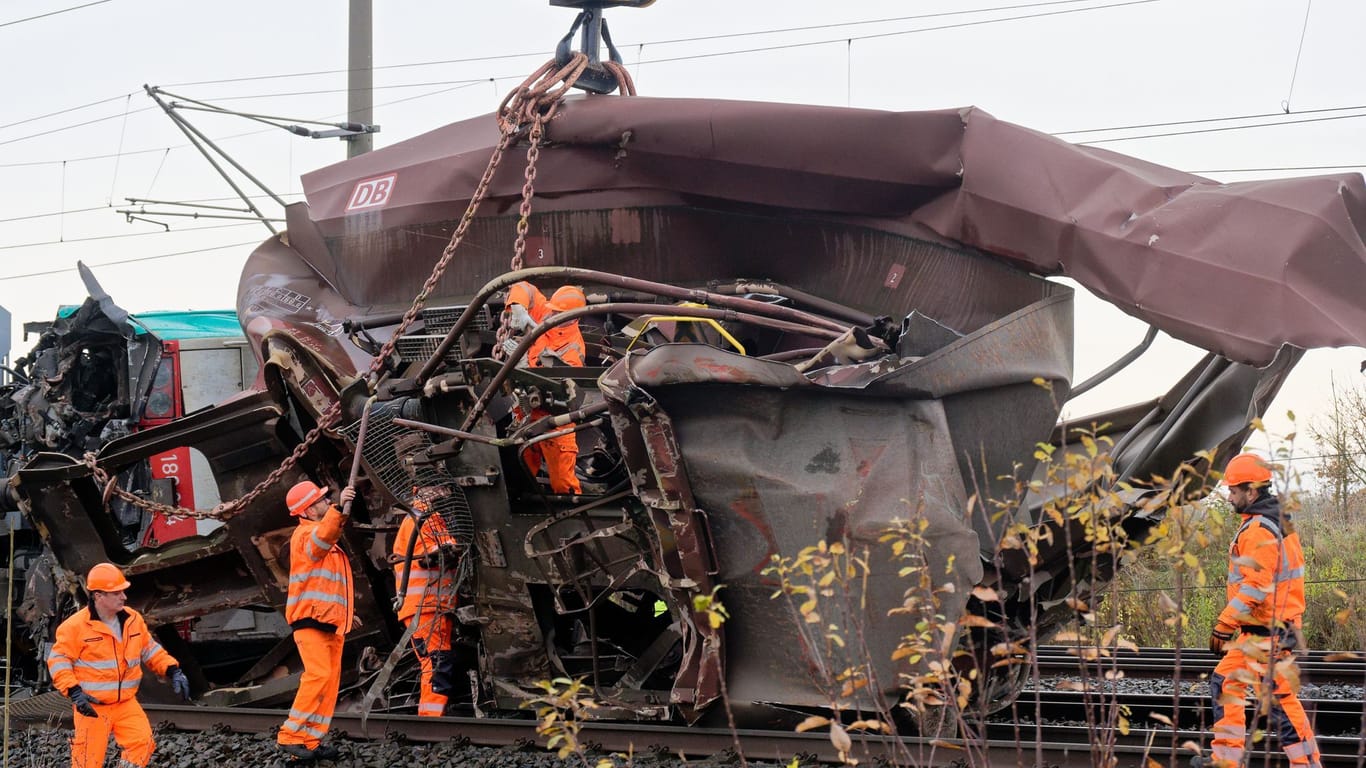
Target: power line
(681, 58)
(1222, 128)
(1171, 123)
(52, 13)
(51, 131)
(726, 36)
(1282, 168)
(898, 33)
(64, 111)
(57, 213)
(109, 207)
(131, 261)
(118, 237)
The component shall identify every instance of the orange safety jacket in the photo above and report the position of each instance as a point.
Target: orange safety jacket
(564, 340)
(430, 589)
(1265, 572)
(108, 668)
(320, 591)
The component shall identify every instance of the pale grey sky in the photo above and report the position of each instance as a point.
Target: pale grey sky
(1053, 66)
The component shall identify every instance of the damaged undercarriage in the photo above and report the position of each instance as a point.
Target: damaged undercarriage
(786, 345)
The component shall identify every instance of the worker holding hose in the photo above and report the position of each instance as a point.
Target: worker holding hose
(1265, 604)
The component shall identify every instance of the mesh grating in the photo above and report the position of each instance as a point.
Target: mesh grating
(390, 451)
(438, 321)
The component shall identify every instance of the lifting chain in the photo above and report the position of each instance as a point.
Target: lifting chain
(532, 104)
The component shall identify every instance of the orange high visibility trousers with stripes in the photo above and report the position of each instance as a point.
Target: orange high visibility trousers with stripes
(128, 724)
(311, 714)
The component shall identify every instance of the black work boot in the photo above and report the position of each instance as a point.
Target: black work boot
(299, 752)
(326, 752)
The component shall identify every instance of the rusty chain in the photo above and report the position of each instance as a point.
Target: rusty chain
(532, 103)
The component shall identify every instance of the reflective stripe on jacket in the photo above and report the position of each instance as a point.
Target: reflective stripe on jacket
(320, 589)
(564, 340)
(429, 589)
(1265, 571)
(86, 653)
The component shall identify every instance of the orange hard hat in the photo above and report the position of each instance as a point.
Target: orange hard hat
(568, 297)
(1247, 468)
(105, 577)
(302, 496)
(526, 294)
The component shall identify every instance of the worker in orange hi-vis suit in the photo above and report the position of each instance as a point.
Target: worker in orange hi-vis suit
(97, 662)
(320, 611)
(428, 601)
(563, 345)
(1265, 605)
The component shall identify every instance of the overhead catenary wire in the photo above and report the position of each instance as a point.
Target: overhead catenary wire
(96, 238)
(673, 41)
(846, 39)
(52, 13)
(133, 260)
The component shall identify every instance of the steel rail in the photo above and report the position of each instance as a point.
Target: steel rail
(1314, 666)
(635, 737)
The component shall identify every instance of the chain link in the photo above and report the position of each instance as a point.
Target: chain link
(532, 103)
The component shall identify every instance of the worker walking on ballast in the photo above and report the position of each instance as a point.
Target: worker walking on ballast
(1265, 604)
(97, 662)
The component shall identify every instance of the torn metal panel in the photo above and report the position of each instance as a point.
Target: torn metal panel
(1120, 226)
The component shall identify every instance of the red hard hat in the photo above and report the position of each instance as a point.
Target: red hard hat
(1247, 468)
(105, 577)
(568, 297)
(302, 496)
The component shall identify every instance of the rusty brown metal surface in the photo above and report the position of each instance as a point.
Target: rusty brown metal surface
(1122, 227)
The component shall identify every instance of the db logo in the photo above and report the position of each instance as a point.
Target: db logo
(372, 193)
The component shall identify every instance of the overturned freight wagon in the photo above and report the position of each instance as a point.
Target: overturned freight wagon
(803, 324)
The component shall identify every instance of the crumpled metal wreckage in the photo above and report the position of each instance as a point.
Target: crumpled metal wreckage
(804, 324)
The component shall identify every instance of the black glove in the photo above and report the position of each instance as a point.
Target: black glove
(84, 702)
(180, 684)
(1217, 640)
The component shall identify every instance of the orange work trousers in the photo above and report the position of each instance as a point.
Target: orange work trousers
(1228, 687)
(126, 721)
(560, 455)
(316, 700)
(432, 644)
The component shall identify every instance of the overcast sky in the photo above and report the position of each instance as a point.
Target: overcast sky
(77, 135)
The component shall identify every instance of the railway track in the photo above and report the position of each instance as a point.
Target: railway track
(1316, 667)
(1007, 743)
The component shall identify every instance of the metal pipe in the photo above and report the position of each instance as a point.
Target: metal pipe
(815, 302)
(606, 278)
(636, 309)
(563, 432)
(1116, 366)
(437, 429)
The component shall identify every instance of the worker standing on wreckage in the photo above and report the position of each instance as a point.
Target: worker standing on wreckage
(562, 345)
(320, 609)
(429, 600)
(1265, 605)
(97, 662)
